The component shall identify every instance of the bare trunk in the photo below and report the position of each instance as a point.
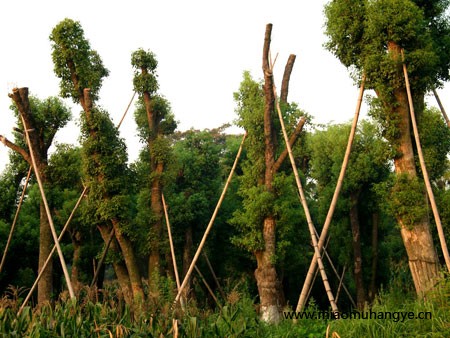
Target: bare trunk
(75, 274)
(357, 255)
(45, 285)
(130, 262)
(266, 276)
(119, 267)
(417, 239)
(374, 248)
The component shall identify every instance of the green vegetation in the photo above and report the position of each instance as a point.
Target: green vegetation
(259, 249)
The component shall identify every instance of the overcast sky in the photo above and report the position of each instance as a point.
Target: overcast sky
(202, 48)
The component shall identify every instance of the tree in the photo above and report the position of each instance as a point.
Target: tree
(368, 37)
(358, 206)
(43, 118)
(258, 219)
(104, 153)
(155, 121)
(196, 188)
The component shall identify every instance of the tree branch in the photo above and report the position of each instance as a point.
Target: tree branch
(286, 77)
(292, 140)
(16, 148)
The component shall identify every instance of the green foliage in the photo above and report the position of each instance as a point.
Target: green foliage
(435, 140)
(164, 120)
(359, 32)
(250, 108)
(75, 63)
(404, 197)
(48, 115)
(436, 303)
(104, 167)
(144, 63)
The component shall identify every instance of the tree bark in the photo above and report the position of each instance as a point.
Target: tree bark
(417, 239)
(357, 255)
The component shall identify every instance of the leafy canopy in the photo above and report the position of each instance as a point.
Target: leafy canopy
(359, 32)
(75, 63)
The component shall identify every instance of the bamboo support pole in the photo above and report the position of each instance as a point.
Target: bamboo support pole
(216, 280)
(426, 178)
(16, 216)
(207, 286)
(316, 272)
(47, 210)
(63, 231)
(102, 258)
(305, 208)
(341, 282)
(333, 267)
(441, 107)
(172, 249)
(302, 299)
(126, 110)
(211, 222)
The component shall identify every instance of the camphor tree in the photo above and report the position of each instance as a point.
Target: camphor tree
(368, 37)
(259, 189)
(155, 122)
(103, 152)
(43, 118)
(358, 209)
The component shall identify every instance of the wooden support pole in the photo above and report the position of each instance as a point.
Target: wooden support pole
(441, 107)
(63, 231)
(211, 222)
(302, 299)
(214, 275)
(426, 178)
(341, 282)
(126, 110)
(16, 216)
(172, 250)
(305, 206)
(207, 286)
(102, 258)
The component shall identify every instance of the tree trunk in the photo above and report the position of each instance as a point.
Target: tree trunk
(187, 259)
(130, 262)
(266, 276)
(357, 255)
(157, 167)
(119, 267)
(75, 274)
(417, 239)
(154, 263)
(45, 284)
(374, 248)
(265, 273)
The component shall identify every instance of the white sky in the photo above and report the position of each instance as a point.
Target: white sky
(202, 48)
